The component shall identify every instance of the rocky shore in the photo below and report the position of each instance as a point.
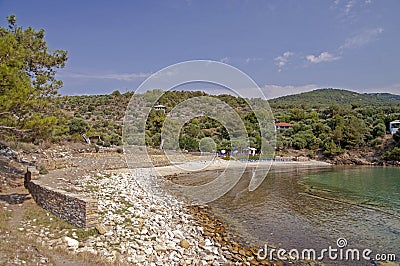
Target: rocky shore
(141, 228)
(146, 229)
(157, 229)
(142, 224)
(139, 224)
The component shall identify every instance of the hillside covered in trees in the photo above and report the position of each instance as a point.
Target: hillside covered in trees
(331, 122)
(327, 122)
(345, 98)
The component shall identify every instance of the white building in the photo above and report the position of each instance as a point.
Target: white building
(251, 151)
(394, 126)
(159, 107)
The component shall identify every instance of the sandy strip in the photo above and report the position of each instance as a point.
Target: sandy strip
(220, 164)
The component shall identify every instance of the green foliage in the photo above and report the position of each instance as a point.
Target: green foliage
(355, 105)
(396, 137)
(207, 145)
(330, 97)
(27, 82)
(329, 129)
(42, 170)
(336, 121)
(354, 132)
(379, 130)
(115, 93)
(393, 154)
(330, 148)
(297, 114)
(77, 125)
(305, 139)
(299, 141)
(188, 143)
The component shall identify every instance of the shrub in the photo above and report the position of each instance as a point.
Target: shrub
(379, 130)
(77, 125)
(393, 154)
(396, 137)
(42, 169)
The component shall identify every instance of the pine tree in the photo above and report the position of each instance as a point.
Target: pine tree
(27, 82)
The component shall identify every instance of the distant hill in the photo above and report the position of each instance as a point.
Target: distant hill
(324, 97)
(385, 96)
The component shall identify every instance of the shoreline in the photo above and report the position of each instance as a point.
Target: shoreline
(117, 193)
(251, 247)
(219, 164)
(225, 233)
(216, 236)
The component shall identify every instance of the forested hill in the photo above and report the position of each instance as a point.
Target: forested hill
(386, 96)
(326, 97)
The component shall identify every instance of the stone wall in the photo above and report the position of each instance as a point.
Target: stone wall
(70, 207)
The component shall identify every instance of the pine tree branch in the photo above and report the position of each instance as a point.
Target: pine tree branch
(14, 129)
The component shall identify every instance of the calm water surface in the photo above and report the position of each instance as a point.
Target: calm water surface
(299, 208)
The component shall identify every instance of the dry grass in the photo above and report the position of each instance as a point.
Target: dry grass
(5, 215)
(16, 247)
(42, 218)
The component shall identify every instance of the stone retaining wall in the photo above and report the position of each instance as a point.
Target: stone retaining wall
(70, 207)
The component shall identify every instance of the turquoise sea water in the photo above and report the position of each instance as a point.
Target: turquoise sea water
(300, 208)
(375, 187)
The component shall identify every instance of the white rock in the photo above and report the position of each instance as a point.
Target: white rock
(178, 233)
(109, 233)
(71, 242)
(148, 251)
(208, 242)
(141, 258)
(161, 248)
(215, 250)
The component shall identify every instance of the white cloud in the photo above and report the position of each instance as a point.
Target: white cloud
(225, 60)
(350, 11)
(274, 91)
(322, 57)
(349, 7)
(113, 76)
(362, 38)
(270, 91)
(394, 89)
(253, 59)
(282, 60)
(355, 41)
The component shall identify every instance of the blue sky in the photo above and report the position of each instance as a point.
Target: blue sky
(285, 46)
